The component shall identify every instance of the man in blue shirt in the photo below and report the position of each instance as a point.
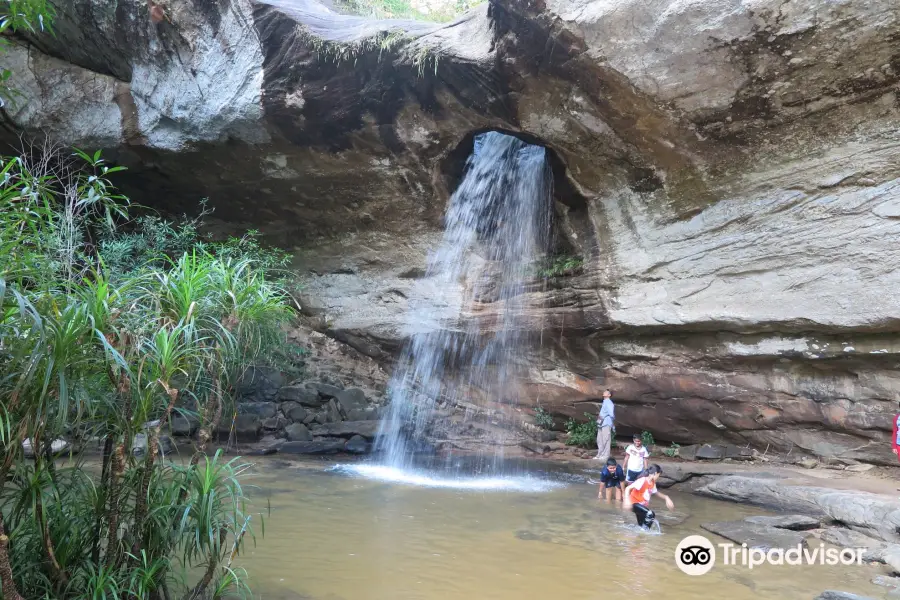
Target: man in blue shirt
(611, 478)
(605, 421)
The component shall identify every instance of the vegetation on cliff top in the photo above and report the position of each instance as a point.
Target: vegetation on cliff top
(438, 12)
(109, 334)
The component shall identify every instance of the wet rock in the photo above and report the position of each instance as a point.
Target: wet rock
(887, 581)
(847, 538)
(266, 448)
(139, 448)
(321, 418)
(56, 447)
(312, 447)
(357, 445)
(274, 423)
(347, 429)
(360, 414)
(296, 413)
(792, 522)
(872, 514)
(835, 595)
(297, 432)
(311, 418)
(246, 429)
(302, 395)
(536, 447)
(325, 390)
(263, 410)
(351, 399)
(756, 536)
(184, 425)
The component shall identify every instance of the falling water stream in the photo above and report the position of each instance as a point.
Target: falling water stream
(466, 316)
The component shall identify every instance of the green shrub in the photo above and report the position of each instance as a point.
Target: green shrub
(543, 419)
(647, 438)
(671, 451)
(582, 434)
(101, 351)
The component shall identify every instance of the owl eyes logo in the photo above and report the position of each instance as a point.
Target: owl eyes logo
(695, 555)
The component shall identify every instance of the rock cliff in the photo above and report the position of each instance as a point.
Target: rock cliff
(729, 170)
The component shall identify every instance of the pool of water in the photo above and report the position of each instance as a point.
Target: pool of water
(355, 532)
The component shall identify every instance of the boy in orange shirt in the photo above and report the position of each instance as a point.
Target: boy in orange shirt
(637, 496)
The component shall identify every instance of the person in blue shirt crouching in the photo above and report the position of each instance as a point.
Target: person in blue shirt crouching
(611, 478)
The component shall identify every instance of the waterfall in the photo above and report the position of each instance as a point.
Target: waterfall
(467, 316)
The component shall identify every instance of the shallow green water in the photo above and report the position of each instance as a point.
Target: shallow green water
(331, 536)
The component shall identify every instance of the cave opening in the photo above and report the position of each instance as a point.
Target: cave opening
(566, 197)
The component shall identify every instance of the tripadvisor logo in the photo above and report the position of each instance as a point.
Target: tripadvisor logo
(696, 555)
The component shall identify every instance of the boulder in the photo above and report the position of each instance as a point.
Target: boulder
(872, 514)
(263, 410)
(715, 452)
(536, 447)
(312, 447)
(293, 411)
(260, 384)
(351, 399)
(792, 522)
(348, 429)
(847, 538)
(835, 595)
(710, 452)
(139, 447)
(274, 423)
(325, 390)
(360, 414)
(183, 425)
(298, 432)
(246, 428)
(266, 448)
(357, 445)
(887, 581)
(756, 536)
(302, 395)
(333, 412)
(56, 447)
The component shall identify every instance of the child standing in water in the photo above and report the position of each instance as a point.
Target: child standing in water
(637, 496)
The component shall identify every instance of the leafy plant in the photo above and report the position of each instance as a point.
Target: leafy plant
(543, 419)
(96, 343)
(671, 451)
(582, 434)
(647, 438)
(560, 266)
(21, 15)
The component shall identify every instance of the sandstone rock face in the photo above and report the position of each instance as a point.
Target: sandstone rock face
(728, 170)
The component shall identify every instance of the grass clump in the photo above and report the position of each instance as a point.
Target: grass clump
(561, 266)
(404, 9)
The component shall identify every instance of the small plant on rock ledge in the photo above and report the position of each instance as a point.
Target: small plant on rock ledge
(672, 451)
(543, 418)
(561, 266)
